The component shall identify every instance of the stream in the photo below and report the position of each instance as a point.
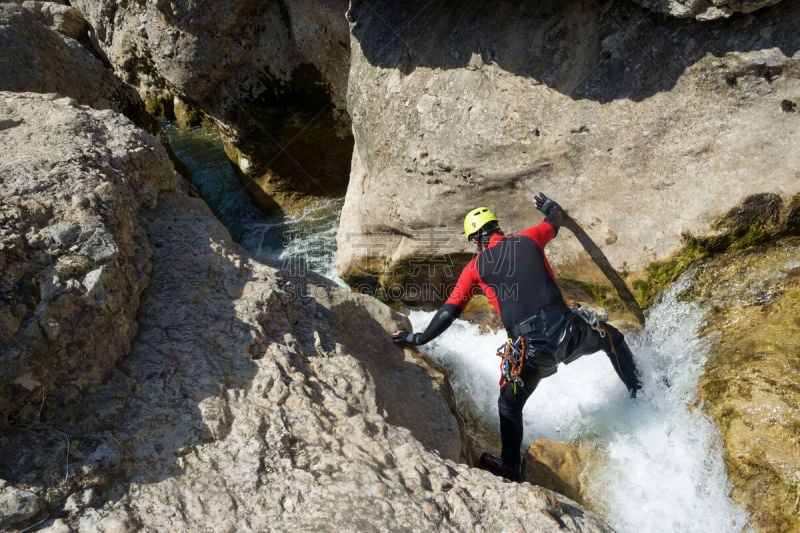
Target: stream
(662, 468)
(305, 238)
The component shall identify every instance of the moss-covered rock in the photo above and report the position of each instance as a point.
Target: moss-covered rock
(758, 219)
(751, 381)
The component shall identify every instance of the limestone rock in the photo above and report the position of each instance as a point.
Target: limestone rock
(17, 505)
(74, 260)
(704, 9)
(272, 75)
(66, 20)
(35, 58)
(750, 383)
(644, 128)
(558, 466)
(273, 421)
(251, 399)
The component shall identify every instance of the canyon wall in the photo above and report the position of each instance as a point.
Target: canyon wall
(646, 128)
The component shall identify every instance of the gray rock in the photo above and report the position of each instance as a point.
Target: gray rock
(72, 270)
(66, 20)
(57, 526)
(251, 399)
(17, 506)
(273, 76)
(704, 9)
(35, 58)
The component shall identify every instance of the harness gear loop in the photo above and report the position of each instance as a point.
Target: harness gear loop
(512, 359)
(590, 316)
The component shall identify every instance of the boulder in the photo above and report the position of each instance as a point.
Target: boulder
(645, 128)
(36, 58)
(66, 20)
(17, 505)
(272, 76)
(559, 466)
(74, 259)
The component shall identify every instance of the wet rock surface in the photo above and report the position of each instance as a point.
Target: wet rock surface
(559, 466)
(750, 382)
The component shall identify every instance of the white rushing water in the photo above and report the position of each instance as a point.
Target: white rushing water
(663, 469)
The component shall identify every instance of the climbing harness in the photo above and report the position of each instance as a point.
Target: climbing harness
(589, 315)
(512, 355)
(540, 337)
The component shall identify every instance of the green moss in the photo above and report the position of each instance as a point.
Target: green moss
(750, 236)
(761, 218)
(600, 296)
(660, 274)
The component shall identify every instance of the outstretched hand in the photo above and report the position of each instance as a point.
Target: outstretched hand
(401, 337)
(544, 204)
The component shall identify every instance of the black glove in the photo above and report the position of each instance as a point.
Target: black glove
(544, 204)
(404, 337)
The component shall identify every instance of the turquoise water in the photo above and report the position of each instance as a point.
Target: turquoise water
(302, 239)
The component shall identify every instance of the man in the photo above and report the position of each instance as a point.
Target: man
(513, 272)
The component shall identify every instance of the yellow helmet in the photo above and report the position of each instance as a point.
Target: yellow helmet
(476, 219)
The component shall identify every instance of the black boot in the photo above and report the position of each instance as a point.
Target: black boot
(495, 465)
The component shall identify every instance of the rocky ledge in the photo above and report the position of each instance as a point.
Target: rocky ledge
(250, 400)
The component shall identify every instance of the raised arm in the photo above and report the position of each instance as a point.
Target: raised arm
(553, 214)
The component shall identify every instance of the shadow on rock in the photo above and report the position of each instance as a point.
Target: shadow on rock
(409, 389)
(583, 49)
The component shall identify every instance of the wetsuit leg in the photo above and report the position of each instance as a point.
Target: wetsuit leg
(581, 339)
(510, 404)
(621, 358)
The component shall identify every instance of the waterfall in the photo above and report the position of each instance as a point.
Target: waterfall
(663, 467)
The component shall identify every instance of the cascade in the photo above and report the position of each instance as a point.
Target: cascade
(662, 467)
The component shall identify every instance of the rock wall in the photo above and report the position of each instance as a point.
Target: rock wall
(273, 76)
(645, 128)
(250, 399)
(40, 52)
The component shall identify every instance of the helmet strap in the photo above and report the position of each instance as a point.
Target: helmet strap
(481, 239)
